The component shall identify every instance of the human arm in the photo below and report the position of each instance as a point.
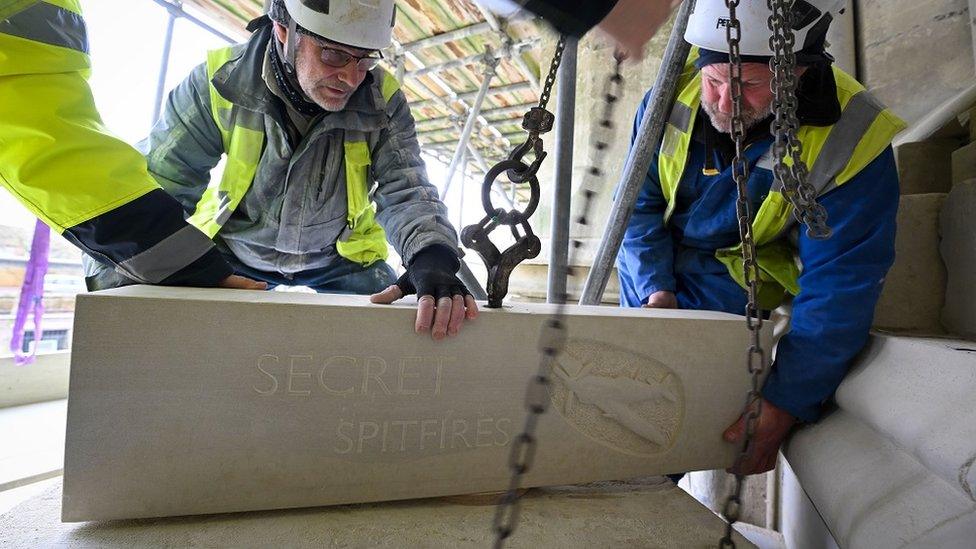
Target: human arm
(409, 208)
(58, 160)
(645, 262)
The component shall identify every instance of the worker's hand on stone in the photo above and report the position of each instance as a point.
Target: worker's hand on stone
(773, 425)
(661, 300)
(443, 302)
(236, 282)
(631, 23)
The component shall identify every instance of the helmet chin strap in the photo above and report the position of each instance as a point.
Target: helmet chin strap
(291, 46)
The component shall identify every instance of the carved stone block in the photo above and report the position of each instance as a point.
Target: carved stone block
(959, 252)
(203, 401)
(926, 166)
(914, 289)
(964, 164)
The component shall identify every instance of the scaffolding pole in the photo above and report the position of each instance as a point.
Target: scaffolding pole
(496, 25)
(176, 8)
(163, 68)
(490, 62)
(641, 152)
(562, 187)
(471, 60)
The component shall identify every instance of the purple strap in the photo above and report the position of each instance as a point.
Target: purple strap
(32, 294)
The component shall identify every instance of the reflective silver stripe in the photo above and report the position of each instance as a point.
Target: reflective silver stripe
(862, 110)
(48, 24)
(765, 162)
(168, 256)
(680, 116)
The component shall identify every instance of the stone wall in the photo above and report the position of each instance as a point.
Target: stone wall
(915, 54)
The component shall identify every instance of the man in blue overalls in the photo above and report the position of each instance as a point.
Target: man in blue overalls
(680, 249)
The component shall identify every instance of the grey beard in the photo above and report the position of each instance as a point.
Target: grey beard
(749, 118)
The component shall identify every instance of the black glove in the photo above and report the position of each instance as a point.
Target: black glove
(433, 272)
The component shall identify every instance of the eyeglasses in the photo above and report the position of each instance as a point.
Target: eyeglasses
(338, 58)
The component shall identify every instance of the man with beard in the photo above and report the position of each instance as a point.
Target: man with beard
(322, 163)
(681, 248)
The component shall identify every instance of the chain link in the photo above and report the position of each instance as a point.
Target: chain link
(789, 167)
(756, 356)
(552, 340)
(557, 58)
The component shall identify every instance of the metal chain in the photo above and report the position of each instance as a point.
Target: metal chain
(553, 337)
(557, 58)
(789, 167)
(756, 357)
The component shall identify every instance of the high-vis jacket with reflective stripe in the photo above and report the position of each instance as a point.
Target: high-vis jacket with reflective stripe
(834, 154)
(291, 201)
(839, 282)
(60, 162)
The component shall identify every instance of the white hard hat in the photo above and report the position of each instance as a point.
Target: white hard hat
(709, 19)
(365, 24)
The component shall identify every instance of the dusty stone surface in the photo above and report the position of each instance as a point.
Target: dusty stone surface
(926, 166)
(201, 401)
(636, 514)
(919, 393)
(713, 487)
(959, 252)
(904, 42)
(964, 164)
(874, 495)
(45, 379)
(914, 290)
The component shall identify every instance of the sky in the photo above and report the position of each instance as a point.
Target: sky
(126, 41)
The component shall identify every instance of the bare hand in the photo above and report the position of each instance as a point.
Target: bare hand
(661, 300)
(772, 426)
(441, 318)
(236, 282)
(631, 23)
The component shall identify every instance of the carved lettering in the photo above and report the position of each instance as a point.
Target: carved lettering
(404, 375)
(363, 437)
(335, 361)
(483, 429)
(455, 434)
(369, 374)
(419, 437)
(345, 438)
(503, 431)
(350, 376)
(274, 380)
(292, 374)
(425, 433)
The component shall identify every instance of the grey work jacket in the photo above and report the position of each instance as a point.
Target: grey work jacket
(294, 212)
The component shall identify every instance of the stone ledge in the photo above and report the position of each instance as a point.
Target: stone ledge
(647, 513)
(914, 289)
(871, 494)
(958, 247)
(919, 394)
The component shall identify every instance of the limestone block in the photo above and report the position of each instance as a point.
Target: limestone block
(964, 164)
(45, 379)
(871, 494)
(972, 116)
(914, 290)
(919, 393)
(203, 401)
(902, 46)
(926, 166)
(959, 252)
(531, 281)
(646, 513)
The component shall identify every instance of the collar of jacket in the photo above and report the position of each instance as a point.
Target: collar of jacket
(240, 81)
